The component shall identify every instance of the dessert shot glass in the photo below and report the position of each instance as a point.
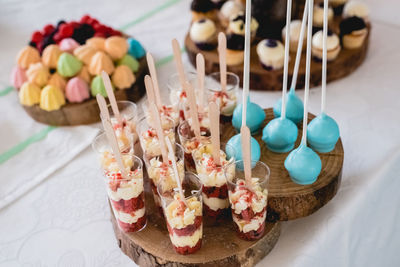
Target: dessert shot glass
(184, 221)
(248, 205)
(166, 111)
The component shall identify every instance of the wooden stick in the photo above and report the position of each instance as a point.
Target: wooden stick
(246, 150)
(193, 110)
(112, 139)
(214, 119)
(324, 56)
(149, 90)
(153, 74)
(160, 132)
(246, 69)
(175, 168)
(222, 60)
(111, 96)
(178, 61)
(286, 61)
(200, 79)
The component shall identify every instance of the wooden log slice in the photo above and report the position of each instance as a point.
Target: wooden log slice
(286, 199)
(88, 111)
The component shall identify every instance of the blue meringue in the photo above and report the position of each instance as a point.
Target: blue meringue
(135, 49)
(294, 107)
(323, 133)
(255, 116)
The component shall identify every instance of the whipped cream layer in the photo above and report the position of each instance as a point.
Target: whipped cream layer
(130, 217)
(215, 203)
(253, 225)
(180, 216)
(126, 189)
(150, 143)
(160, 172)
(191, 240)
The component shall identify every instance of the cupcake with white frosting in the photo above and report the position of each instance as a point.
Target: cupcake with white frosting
(332, 43)
(204, 34)
(202, 9)
(353, 31)
(295, 28)
(318, 17)
(357, 9)
(271, 54)
(228, 10)
(337, 6)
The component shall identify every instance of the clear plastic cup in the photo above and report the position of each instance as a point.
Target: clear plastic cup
(175, 88)
(162, 175)
(248, 205)
(215, 190)
(185, 223)
(165, 112)
(227, 102)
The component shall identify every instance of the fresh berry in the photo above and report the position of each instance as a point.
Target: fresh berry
(61, 22)
(37, 36)
(100, 34)
(85, 19)
(57, 37)
(116, 33)
(93, 21)
(66, 30)
(33, 44)
(48, 29)
(82, 33)
(74, 24)
(40, 46)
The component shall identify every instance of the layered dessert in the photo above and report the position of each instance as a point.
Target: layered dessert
(168, 114)
(249, 208)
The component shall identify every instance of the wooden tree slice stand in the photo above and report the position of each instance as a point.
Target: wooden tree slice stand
(88, 111)
(347, 61)
(286, 199)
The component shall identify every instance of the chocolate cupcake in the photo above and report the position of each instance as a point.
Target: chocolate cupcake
(357, 9)
(271, 54)
(218, 3)
(332, 43)
(337, 6)
(234, 49)
(202, 9)
(204, 34)
(353, 32)
(318, 17)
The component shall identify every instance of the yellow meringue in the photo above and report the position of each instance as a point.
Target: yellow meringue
(50, 56)
(27, 56)
(123, 77)
(116, 47)
(84, 74)
(96, 42)
(37, 73)
(100, 61)
(51, 98)
(57, 80)
(29, 94)
(85, 53)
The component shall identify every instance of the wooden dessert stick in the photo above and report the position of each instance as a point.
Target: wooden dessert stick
(159, 130)
(153, 74)
(222, 60)
(286, 60)
(214, 121)
(175, 168)
(324, 56)
(193, 110)
(200, 79)
(111, 96)
(178, 61)
(246, 150)
(246, 68)
(149, 90)
(112, 139)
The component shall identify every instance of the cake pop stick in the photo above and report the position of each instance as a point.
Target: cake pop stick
(286, 62)
(112, 139)
(222, 60)
(324, 56)
(111, 96)
(200, 79)
(246, 68)
(178, 61)
(159, 130)
(149, 89)
(245, 134)
(193, 110)
(214, 123)
(153, 74)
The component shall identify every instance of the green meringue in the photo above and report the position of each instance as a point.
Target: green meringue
(97, 86)
(129, 61)
(68, 65)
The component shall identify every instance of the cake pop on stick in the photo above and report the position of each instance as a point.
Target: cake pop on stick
(153, 74)
(160, 131)
(200, 79)
(111, 96)
(178, 61)
(215, 142)
(323, 131)
(222, 60)
(294, 105)
(303, 164)
(280, 134)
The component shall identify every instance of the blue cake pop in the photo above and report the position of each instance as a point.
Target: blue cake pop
(323, 133)
(234, 149)
(294, 107)
(255, 116)
(280, 134)
(135, 48)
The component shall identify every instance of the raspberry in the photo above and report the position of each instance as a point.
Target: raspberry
(85, 18)
(48, 29)
(92, 22)
(66, 30)
(116, 33)
(57, 37)
(100, 34)
(74, 24)
(37, 36)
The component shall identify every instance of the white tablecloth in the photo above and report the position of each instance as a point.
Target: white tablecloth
(64, 221)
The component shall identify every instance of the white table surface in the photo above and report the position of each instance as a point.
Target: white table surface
(65, 220)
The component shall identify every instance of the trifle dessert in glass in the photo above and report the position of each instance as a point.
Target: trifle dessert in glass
(212, 176)
(248, 204)
(125, 193)
(184, 218)
(166, 111)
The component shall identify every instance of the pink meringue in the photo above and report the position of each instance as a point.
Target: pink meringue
(68, 45)
(18, 77)
(77, 90)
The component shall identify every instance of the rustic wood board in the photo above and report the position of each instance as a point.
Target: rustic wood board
(88, 111)
(347, 61)
(288, 200)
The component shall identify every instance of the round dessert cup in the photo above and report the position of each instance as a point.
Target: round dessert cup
(167, 111)
(216, 206)
(149, 140)
(162, 175)
(227, 102)
(190, 143)
(248, 205)
(185, 223)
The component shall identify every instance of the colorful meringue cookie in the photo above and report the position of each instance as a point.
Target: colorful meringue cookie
(51, 98)
(99, 62)
(271, 54)
(77, 90)
(123, 77)
(68, 65)
(68, 45)
(135, 48)
(57, 80)
(97, 43)
(332, 43)
(116, 47)
(50, 56)
(84, 74)
(255, 116)
(29, 94)
(204, 34)
(18, 77)
(85, 53)
(129, 61)
(38, 74)
(97, 87)
(28, 55)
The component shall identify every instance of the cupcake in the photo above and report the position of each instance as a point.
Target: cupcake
(333, 45)
(295, 28)
(271, 54)
(218, 3)
(353, 31)
(202, 9)
(318, 17)
(357, 9)
(237, 25)
(204, 34)
(337, 6)
(229, 9)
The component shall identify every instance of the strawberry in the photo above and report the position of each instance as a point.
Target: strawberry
(66, 30)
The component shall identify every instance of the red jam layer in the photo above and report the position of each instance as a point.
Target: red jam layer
(252, 235)
(133, 227)
(248, 214)
(220, 192)
(216, 216)
(188, 250)
(129, 206)
(189, 162)
(188, 230)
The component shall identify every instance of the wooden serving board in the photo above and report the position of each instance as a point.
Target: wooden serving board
(286, 199)
(88, 111)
